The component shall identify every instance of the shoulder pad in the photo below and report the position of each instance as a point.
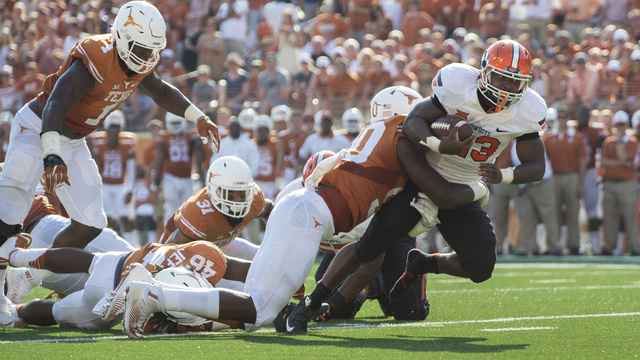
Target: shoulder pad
(97, 54)
(533, 108)
(453, 83)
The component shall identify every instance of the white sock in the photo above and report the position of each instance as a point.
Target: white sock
(595, 242)
(619, 244)
(201, 302)
(31, 258)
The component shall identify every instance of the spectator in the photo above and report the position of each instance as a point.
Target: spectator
(567, 154)
(615, 12)
(273, 13)
(317, 48)
(223, 116)
(405, 77)
(634, 24)
(210, 48)
(501, 196)
(203, 91)
(425, 78)
(582, 84)
(538, 13)
(449, 14)
(318, 93)
(232, 17)
(329, 24)
(73, 35)
(30, 85)
(274, 84)
(342, 87)
(375, 80)
(493, 19)
(619, 198)
(47, 44)
(413, 20)
(9, 100)
(358, 13)
(593, 134)
(538, 78)
(564, 45)
(289, 41)
(239, 145)
(270, 153)
(190, 37)
(237, 82)
(380, 23)
(292, 139)
(577, 16)
(301, 80)
(90, 24)
(610, 86)
(324, 139)
(426, 57)
(632, 83)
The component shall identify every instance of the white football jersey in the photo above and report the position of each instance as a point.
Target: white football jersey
(456, 88)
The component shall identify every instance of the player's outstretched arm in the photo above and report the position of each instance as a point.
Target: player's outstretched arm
(444, 194)
(178, 237)
(531, 154)
(66, 94)
(171, 99)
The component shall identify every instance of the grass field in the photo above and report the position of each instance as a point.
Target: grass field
(577, 309)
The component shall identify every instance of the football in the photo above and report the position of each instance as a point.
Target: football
(442, 127)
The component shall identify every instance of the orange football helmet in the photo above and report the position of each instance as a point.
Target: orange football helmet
(509, 59)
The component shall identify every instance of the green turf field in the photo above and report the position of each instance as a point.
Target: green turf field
(581, 309)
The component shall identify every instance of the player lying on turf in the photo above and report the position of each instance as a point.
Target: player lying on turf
(500, 107)
(108, 271)
(350, 187)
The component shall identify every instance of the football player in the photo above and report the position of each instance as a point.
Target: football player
(115, 153)
(177, 150)
(220, 211)
(343, 191)
(108, 271)
(352, 122)
(271, 152)
(292, 139)
(100, 73)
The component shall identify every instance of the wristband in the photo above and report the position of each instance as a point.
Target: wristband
(480, 190)
(433, 143)
(193, 114)
(507, 175)
(50, 143)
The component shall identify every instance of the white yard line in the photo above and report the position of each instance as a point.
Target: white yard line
(341, 326)
(554, 288)
(552, 281)
(521, 329)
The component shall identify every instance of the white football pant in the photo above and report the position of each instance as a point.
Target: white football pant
(176, 191)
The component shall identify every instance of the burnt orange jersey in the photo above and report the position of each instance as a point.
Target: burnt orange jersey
(291, 146)
(266, 161)
(198, 219)
(201, 256)
(370, 174)
(141, 192)
(43, 205)
(178, 153)
(112, 85)
(112, 161)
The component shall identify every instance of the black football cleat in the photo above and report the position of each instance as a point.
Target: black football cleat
(281, 319)
(411, 274)
(296, 323)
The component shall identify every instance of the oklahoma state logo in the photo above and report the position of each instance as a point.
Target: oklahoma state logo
(130, 21)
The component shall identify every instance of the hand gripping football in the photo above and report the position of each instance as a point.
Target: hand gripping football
(442, 127)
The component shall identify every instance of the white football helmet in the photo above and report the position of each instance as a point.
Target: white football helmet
(226, 174)
(180, 276)
(246, 118)
(262, 120)
(317, 118)
(352, 120)
(116, 118)
(393, 101)
(139, 23)
(635, 119)
(175, 124)
(281, 113)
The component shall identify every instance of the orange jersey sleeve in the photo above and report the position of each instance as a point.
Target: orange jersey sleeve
(370, 173)
(201, 256)
(266, 161)
(178, 153)
(112, 85)
(198, 219)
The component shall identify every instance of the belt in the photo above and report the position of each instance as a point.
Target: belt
(123, 259)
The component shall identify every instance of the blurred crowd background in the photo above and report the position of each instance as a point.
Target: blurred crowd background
(320, 59)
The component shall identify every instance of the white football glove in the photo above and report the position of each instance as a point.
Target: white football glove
(429, 212)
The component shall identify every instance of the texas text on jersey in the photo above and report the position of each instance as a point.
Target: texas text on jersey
(112, 85)
(455, 91)
(198, 219)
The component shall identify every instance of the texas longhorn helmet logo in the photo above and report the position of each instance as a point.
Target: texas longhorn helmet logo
(410, 98)
(131, 21)
(211, 176)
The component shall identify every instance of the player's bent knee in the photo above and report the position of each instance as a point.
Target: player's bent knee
(481, 274)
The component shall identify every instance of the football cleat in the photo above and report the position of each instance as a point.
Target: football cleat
(19, 284)
(9, 314)
(296, 322)
(410, 275)
(116, 299)
(19, 241)
(280, 321)
(142, 300)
